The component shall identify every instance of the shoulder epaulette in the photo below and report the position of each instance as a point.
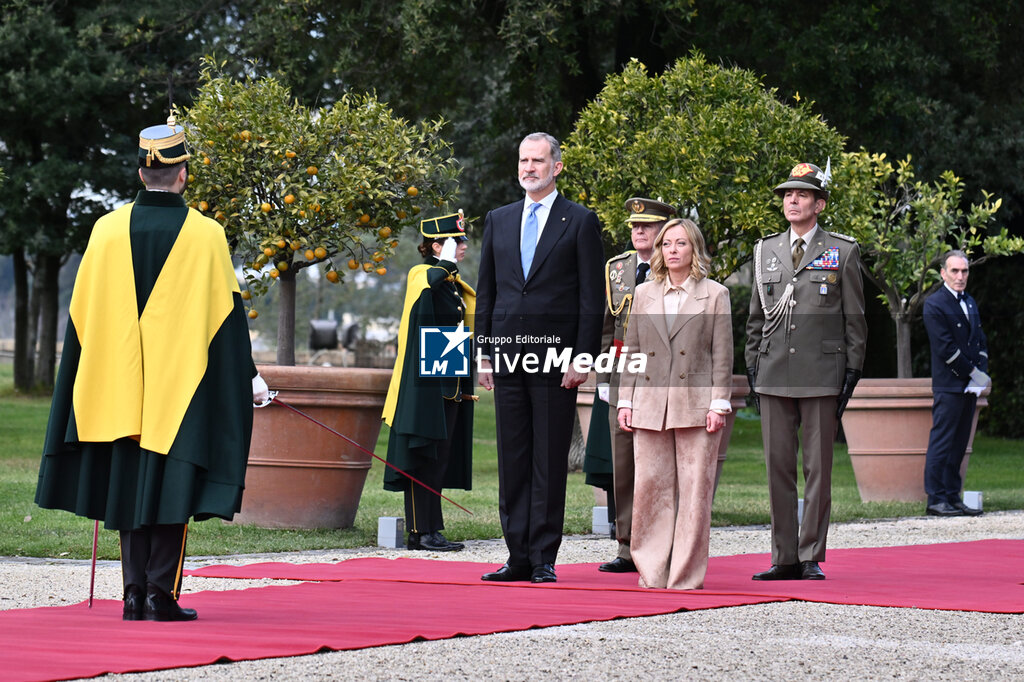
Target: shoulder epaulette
(844, 237)
(769, 236)
(622, 256)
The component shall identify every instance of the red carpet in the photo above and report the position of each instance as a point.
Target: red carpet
(363, 602)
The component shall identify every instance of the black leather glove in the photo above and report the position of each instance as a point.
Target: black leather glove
(751, 375)
(849, 383)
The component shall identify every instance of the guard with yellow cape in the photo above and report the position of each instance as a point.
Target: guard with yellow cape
(152, 409)
(431, 417)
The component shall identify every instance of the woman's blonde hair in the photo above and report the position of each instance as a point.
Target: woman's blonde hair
(700, 266)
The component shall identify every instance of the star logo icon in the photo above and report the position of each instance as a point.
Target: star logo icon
(455, 338)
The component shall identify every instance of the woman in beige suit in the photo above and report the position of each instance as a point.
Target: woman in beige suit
(681, 322)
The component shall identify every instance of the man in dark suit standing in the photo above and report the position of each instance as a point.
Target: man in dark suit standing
(540, 296)
(959, 375)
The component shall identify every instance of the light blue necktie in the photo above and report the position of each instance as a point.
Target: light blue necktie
(528, 246)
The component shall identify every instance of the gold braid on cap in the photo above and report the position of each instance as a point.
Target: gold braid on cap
(153, 147)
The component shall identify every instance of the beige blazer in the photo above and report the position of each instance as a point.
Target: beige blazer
(688, 365)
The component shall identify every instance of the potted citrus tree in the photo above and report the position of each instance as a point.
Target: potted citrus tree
(708, 139)
(904, 226)
(298, 187)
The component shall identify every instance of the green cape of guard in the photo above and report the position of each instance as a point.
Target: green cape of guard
(414, 407)
(147, 361)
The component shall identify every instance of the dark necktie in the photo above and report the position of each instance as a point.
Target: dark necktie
(798, 252)
(641, 272)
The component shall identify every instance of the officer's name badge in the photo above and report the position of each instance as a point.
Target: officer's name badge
(829, 260)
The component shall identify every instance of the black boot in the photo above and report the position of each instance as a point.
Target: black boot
(437, 538)
(134, 603)
(163, 607)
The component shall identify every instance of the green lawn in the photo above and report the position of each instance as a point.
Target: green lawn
(741, 499)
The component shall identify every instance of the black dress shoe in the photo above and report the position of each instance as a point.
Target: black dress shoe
(543, 573)
(134, 603)
(431, 542)
(810, 570)
(943, 509)
(779, 572)
(455, 546)
(507, 574)
(968, 511)
(161, 606)
(618, 565)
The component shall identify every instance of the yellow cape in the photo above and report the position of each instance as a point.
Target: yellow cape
(137, 375)
(416, 283)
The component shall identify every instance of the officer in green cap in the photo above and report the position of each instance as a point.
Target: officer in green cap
(152, 409)
(622, 274)
(806, 336)
(431, 417)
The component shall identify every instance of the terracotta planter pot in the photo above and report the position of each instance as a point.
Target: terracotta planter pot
(886, 423)
(301, 475)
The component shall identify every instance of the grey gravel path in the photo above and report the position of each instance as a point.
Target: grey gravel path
(783, 641)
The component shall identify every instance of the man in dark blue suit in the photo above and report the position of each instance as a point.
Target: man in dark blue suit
(540, 298)
(959, 375)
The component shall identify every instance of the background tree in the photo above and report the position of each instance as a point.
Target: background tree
(904, 226)
(295, 186)
(706, 139)
(77, 82)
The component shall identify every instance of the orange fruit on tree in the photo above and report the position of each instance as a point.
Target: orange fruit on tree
(191, 177)
(269, 251)
(203, 206)
(415, 210)
(245, 135)
(289, 198)
(282, 266)
(382, 270)
(302, 213)
(312, 170)
(378, 257)
(207, 162)
(290, 154)
(367, 267)
(274, 273)
(353, 264)
(316, 208)
(364, 219)
(253, 314)
(412, 191)
(246, 295)
(332, 276)
(295, 245)
(281, 243)
(310, 254)
(320, 252)
(265, 207)
(220, 216)
(401, 214)
(384, 232)
(394, 243)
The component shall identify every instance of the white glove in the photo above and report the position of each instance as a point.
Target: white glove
(974, 388)
(448, 250)
(260, 392)
(603, 392)
(980, 378)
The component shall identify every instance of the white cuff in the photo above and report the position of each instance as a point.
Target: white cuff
(721, 406)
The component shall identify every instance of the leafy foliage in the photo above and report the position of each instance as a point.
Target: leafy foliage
(905, 225)
(295, 186)
(707, 139)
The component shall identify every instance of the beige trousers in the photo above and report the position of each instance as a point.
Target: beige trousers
(672, 493)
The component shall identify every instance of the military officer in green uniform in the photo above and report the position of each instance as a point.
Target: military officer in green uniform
(621, 276)
(431, 417)
(152, 409)
(805, 349)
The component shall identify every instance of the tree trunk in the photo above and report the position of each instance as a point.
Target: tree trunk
(24, 339)
(47, 286)
(904, 367)
(577, 448)
(286, 319)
